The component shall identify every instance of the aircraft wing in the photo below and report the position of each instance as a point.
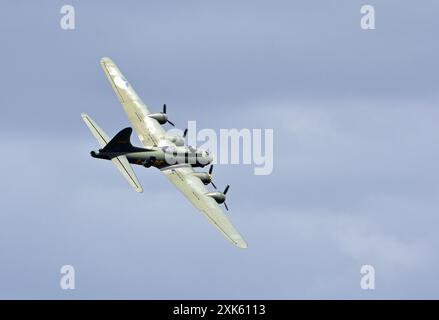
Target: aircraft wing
(149, 131)
(192, 187)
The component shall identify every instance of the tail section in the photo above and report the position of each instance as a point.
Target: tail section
(119, 141)
(98, 133)
(121, 163)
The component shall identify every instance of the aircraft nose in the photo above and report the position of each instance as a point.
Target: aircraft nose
(209, 157)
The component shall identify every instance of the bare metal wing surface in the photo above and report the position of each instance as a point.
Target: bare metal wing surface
(150, 132)
(195, 191)
(121, 162)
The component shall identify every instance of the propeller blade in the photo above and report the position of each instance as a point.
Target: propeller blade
(213, 184)
(185, 133)
(227, 208)
(211, 169)
(226, 189)
(171, 123)
(164, 108)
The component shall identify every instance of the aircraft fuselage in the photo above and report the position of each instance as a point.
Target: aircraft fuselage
(157, 157)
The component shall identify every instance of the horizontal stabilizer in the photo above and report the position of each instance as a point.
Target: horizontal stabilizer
(121, 162)
(98, 133)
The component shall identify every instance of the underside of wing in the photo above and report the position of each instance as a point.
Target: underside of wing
(192, 187)
(148, 129)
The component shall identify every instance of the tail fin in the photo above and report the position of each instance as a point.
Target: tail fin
(121, 143)
(121, 162)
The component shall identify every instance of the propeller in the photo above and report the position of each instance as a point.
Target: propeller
(210, 175)
(164, 111)
(185, 133)
(225, 191)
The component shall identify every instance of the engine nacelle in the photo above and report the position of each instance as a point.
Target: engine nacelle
(177, 140)
(219, 197)
(161, 117)
(204, 177)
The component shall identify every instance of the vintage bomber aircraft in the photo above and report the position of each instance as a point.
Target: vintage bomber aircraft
(166, 152)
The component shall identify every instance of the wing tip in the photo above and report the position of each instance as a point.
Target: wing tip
(106, 60)
(240, 243)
